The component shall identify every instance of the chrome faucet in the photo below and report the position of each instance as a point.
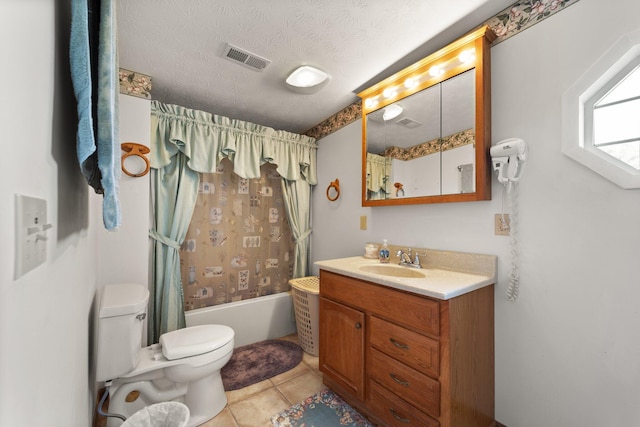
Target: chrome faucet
(405, 259)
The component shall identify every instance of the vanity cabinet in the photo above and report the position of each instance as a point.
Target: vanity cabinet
(344, 346)
(404, 359)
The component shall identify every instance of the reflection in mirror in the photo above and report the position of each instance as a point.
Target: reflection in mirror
(428, 148)
(421, 129)
(458, 134)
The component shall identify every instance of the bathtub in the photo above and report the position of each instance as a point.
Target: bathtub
(253, 320)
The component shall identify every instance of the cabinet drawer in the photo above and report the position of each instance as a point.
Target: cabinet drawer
(396, 412)
(412, 311)
(416, 388)
(417, 351)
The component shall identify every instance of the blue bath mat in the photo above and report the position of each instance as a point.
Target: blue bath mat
(323, 409)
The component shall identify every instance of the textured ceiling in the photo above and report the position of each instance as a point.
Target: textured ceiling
(180, 44)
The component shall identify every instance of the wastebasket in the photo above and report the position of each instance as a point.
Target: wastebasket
(163, 414)
(305, 291)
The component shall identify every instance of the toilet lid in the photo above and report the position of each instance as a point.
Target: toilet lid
(194, 340)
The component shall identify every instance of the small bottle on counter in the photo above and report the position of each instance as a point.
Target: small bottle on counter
(383, 255)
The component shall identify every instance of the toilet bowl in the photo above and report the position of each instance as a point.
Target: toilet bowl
(184, 366)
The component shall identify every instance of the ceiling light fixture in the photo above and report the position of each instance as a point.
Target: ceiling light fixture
(391, 112)
(307, 79)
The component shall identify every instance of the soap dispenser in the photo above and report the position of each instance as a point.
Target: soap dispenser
(383, 255)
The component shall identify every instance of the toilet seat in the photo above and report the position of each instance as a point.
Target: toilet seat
(194, 340)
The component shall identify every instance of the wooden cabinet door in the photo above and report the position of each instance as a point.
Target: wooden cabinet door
(342, 345)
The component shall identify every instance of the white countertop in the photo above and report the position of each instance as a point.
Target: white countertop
(437, 282)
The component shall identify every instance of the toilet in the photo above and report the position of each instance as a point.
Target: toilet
(184, 366)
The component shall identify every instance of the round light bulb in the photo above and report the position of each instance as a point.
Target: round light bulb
(371, 102)
(435, 71)
(389, 92)
(467, 56)
(410, 83)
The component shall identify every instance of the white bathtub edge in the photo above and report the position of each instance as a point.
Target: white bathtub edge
(253, 320)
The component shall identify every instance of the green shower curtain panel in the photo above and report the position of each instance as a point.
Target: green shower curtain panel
(378, 176)
(185, 142)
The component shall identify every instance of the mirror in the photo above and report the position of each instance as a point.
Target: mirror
(425, 130)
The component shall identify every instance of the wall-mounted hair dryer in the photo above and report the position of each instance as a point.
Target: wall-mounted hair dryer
(508, 157)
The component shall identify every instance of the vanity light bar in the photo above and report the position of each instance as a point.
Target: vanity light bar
(448, 61)
(465, 57)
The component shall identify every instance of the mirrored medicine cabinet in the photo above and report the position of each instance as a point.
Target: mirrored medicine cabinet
(426, 129)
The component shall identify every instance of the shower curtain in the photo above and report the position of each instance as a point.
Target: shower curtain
(185, 142)
(378, 176)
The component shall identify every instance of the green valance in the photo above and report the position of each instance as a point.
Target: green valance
(205, 139)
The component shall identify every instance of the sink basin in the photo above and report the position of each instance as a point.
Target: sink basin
(393, 270)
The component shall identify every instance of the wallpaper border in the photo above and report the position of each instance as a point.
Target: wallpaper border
(134, 83)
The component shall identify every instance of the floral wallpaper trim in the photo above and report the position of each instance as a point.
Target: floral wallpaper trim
(507, 23)
(522, 15)
(434, 146)
(134, 84)
(339, 120)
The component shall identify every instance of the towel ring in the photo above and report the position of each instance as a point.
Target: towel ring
(135, 149)
(335, 185)
(399, 189)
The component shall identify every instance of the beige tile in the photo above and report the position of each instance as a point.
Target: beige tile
(292, 338)
(257, 410)
(312, 361)
(243, 393)
(301, 369)
(223, 419)
(301, 387)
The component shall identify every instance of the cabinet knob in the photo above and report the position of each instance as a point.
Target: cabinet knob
(358, 325)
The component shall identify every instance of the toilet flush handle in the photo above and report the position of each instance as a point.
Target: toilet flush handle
(141, 316)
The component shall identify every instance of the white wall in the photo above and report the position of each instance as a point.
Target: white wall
(567, 352)
(124, 254)
(46, 315)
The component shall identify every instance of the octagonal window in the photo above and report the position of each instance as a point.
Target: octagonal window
(601, 115)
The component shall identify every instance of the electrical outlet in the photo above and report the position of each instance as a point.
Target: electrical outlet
(502, 228)
(363, 222)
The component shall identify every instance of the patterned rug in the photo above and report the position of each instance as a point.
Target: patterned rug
(257, 362)
(323, 409)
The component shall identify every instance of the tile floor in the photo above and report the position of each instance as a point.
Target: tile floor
(254, 406)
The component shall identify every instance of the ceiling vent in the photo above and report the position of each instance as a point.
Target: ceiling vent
(246, 58)
(408, 122)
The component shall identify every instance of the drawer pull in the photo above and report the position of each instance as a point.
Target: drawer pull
(399, 381)
(399, 344)
(398, 417)
(358, 325)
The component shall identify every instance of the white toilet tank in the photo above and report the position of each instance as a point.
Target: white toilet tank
(123, 308)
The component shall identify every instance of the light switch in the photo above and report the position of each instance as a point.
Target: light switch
(363, 222)
(31, 233)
